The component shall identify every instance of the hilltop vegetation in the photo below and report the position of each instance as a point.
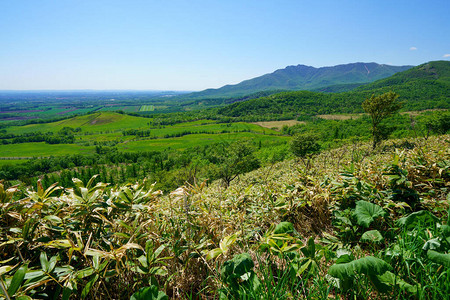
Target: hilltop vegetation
(356, 224)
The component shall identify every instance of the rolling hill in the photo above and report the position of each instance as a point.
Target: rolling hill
(423, 87)
(301, 77)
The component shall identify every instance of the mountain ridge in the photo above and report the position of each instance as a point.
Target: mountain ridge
(426, 86)
(303, 77)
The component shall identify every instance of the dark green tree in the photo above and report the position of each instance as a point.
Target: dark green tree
(304, 145)
(379, 108)
(231, 160)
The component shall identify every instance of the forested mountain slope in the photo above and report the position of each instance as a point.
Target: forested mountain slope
(423, 87)
(303, 77)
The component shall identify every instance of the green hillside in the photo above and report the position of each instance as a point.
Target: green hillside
(354, 225)
(423, 87)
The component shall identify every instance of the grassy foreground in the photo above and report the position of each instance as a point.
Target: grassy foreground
(351, 223)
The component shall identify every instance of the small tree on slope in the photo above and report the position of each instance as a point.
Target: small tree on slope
(379, 108)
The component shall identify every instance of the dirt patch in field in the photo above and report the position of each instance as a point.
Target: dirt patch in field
(278, 124)
(339, 117)
(100, 119)
(418, 112)
(66, 111)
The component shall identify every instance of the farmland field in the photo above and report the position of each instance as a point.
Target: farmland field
(96, 122)
(42, 149)
(110, 127)
(4, 162)
(189, 141)
(147, 108)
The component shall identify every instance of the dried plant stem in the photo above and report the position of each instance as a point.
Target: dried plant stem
(5, 292)
(18, 251)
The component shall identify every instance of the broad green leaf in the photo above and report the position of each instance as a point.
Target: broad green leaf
(423, 216)
(310, 249)
(54, 219)
(392, 280)
(161, 271)
(237, 266)
(214, 253)
(52, 263)
(5, 269)
(149, 293)
(433, 244)
(123, 224)
(439, 258)
(66, 293)
(366, 212)
(17, 280)
(227, 241)
(304, 266)
(368, 265)
(88, 286)
(44, 262)
(372, 236)
(284, 227)
(85, 272)
(158, 251)
(143, 260)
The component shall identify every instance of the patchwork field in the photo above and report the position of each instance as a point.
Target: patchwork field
(132, 134)
(147, 108)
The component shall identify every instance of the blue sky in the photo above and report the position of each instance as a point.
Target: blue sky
(193, 45)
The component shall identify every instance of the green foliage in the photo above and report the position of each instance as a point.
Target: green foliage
(95, 240)
(238, 275)
(438, 123)
(366, 213)
(423, 217)
(369, 265)
(231, 160)
(372, 236)
(439, 258)
(149, 293)
(379, 108)
(302, 145)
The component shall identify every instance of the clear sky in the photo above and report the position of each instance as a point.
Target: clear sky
(198, 44)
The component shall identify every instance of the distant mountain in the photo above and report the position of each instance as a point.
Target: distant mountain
(423, 87)
(301, 77)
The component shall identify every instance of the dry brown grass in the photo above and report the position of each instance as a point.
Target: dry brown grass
(340, 117)
(278, 124)
(418, 112)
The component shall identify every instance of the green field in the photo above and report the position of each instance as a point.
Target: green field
(5, 162)
(125, 108)
(108, 127)
(42, 150)
(147, 108)
(189, 141)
